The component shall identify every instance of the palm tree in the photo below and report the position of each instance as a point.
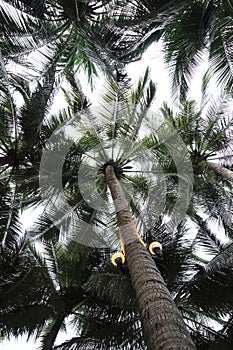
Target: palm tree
(206, 134)
(31, 141)
(189, 31)
(130, 240)
(20, 144)
(73, 33)
(157, 309)
(162, 323)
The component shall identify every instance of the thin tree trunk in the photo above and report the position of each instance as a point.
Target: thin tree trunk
(163, 326)
(50, 338)
(224, 172)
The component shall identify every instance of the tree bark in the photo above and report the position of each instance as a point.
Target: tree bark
(224, 172)
(50, 338)
(162, 323)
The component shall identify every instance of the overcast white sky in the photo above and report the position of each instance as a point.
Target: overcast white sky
(22, 344)
(154, 59)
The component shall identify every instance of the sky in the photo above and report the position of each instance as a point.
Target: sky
(21, 342)
(154, 59)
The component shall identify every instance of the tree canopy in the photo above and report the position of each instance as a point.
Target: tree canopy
(174, 167)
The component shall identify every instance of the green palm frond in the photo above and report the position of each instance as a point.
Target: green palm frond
(38, 6)
(27, 319)
(184, 48)
(85, 342)
(185, 45)
(213, 200)
(226, 331)
(76, 100)
(119, 329)
(206, 238)
(23, 294)
(216, 275)
(177, 250)
(220, 52)
(9, 122)
(20, 31)
(35, 108)
(190, 33)
(143, 93)
(224, 258)
(54, 122)
(80, 31)
(112, 288)
(205, 337)
(11, 229)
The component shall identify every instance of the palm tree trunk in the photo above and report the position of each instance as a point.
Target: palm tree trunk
(163, 326)
(51, 336)
(224, 172)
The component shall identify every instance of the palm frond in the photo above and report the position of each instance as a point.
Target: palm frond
(34, 111)
(216, 275)
(112, 288)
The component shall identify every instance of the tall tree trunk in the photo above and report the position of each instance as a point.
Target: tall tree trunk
(163, 326)
(50, 338)
(224, 172)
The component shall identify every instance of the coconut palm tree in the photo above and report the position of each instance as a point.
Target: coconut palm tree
(114, 101)
(20, 144)
(207, 134)
(189, 31)
(75, 33)
(118, 135)
(154, 307)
